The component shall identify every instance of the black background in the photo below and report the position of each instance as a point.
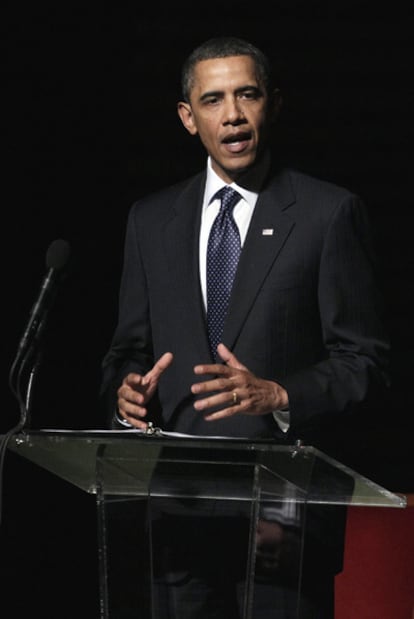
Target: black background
(89, 124)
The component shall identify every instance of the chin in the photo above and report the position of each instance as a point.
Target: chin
(240, 169)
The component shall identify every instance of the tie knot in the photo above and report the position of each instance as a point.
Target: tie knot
(228, 197)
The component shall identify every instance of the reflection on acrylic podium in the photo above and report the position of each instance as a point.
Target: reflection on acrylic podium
(167, 501)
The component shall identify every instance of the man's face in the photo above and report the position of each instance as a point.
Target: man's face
(230, 111)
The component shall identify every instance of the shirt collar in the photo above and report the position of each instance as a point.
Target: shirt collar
(214, 183)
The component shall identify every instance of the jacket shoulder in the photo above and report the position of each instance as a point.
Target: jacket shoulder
(161, 201)
(306, 184)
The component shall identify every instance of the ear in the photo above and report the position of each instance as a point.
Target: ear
(275, 104)
(185, 113)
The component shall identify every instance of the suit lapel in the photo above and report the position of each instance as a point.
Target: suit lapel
(181, 240)
(270, 226)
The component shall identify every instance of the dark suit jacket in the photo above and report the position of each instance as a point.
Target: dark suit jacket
(305, 309)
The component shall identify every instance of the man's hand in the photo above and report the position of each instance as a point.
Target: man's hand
(236, 390)
(136, 391)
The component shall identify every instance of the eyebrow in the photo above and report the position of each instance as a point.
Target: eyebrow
(218, 93)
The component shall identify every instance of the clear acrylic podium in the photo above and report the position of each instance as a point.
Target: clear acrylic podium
(151, 486)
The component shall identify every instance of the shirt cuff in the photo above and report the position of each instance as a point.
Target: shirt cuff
(122, 421)
(282, 418)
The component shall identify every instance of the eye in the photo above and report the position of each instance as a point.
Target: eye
(211, 98)
(250, 94)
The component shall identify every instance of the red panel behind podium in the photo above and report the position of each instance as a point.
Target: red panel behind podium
(378, 577)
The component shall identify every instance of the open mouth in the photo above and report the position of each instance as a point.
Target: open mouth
(236, 138)
(237, 143)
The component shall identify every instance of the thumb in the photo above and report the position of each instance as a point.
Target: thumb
(229, 358)
(158, 368)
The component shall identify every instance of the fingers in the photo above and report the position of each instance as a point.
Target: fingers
(131, 401)
(234, 389)
(130, 390)
(137, 390)
(229, 358)
(228, 402)
(134, 416)
(159, 367)
(225, 391)
(220, 382)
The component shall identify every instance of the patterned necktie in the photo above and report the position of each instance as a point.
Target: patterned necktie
(223, 253)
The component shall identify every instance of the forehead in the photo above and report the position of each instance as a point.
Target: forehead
(224, 74)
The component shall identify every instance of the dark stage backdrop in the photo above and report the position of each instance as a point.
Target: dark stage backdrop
(89, 124)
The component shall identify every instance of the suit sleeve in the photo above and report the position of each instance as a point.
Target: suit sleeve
(352, 322)
(131, 346)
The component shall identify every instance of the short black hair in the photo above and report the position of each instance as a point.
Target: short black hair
(222, 47)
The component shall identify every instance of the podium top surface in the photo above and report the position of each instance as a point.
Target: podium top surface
(133, 463)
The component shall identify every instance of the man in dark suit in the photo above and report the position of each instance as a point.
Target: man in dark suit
(302, 346)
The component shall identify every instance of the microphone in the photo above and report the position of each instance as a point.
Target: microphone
(56, 258)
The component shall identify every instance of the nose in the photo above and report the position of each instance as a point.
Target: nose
(233, 111)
